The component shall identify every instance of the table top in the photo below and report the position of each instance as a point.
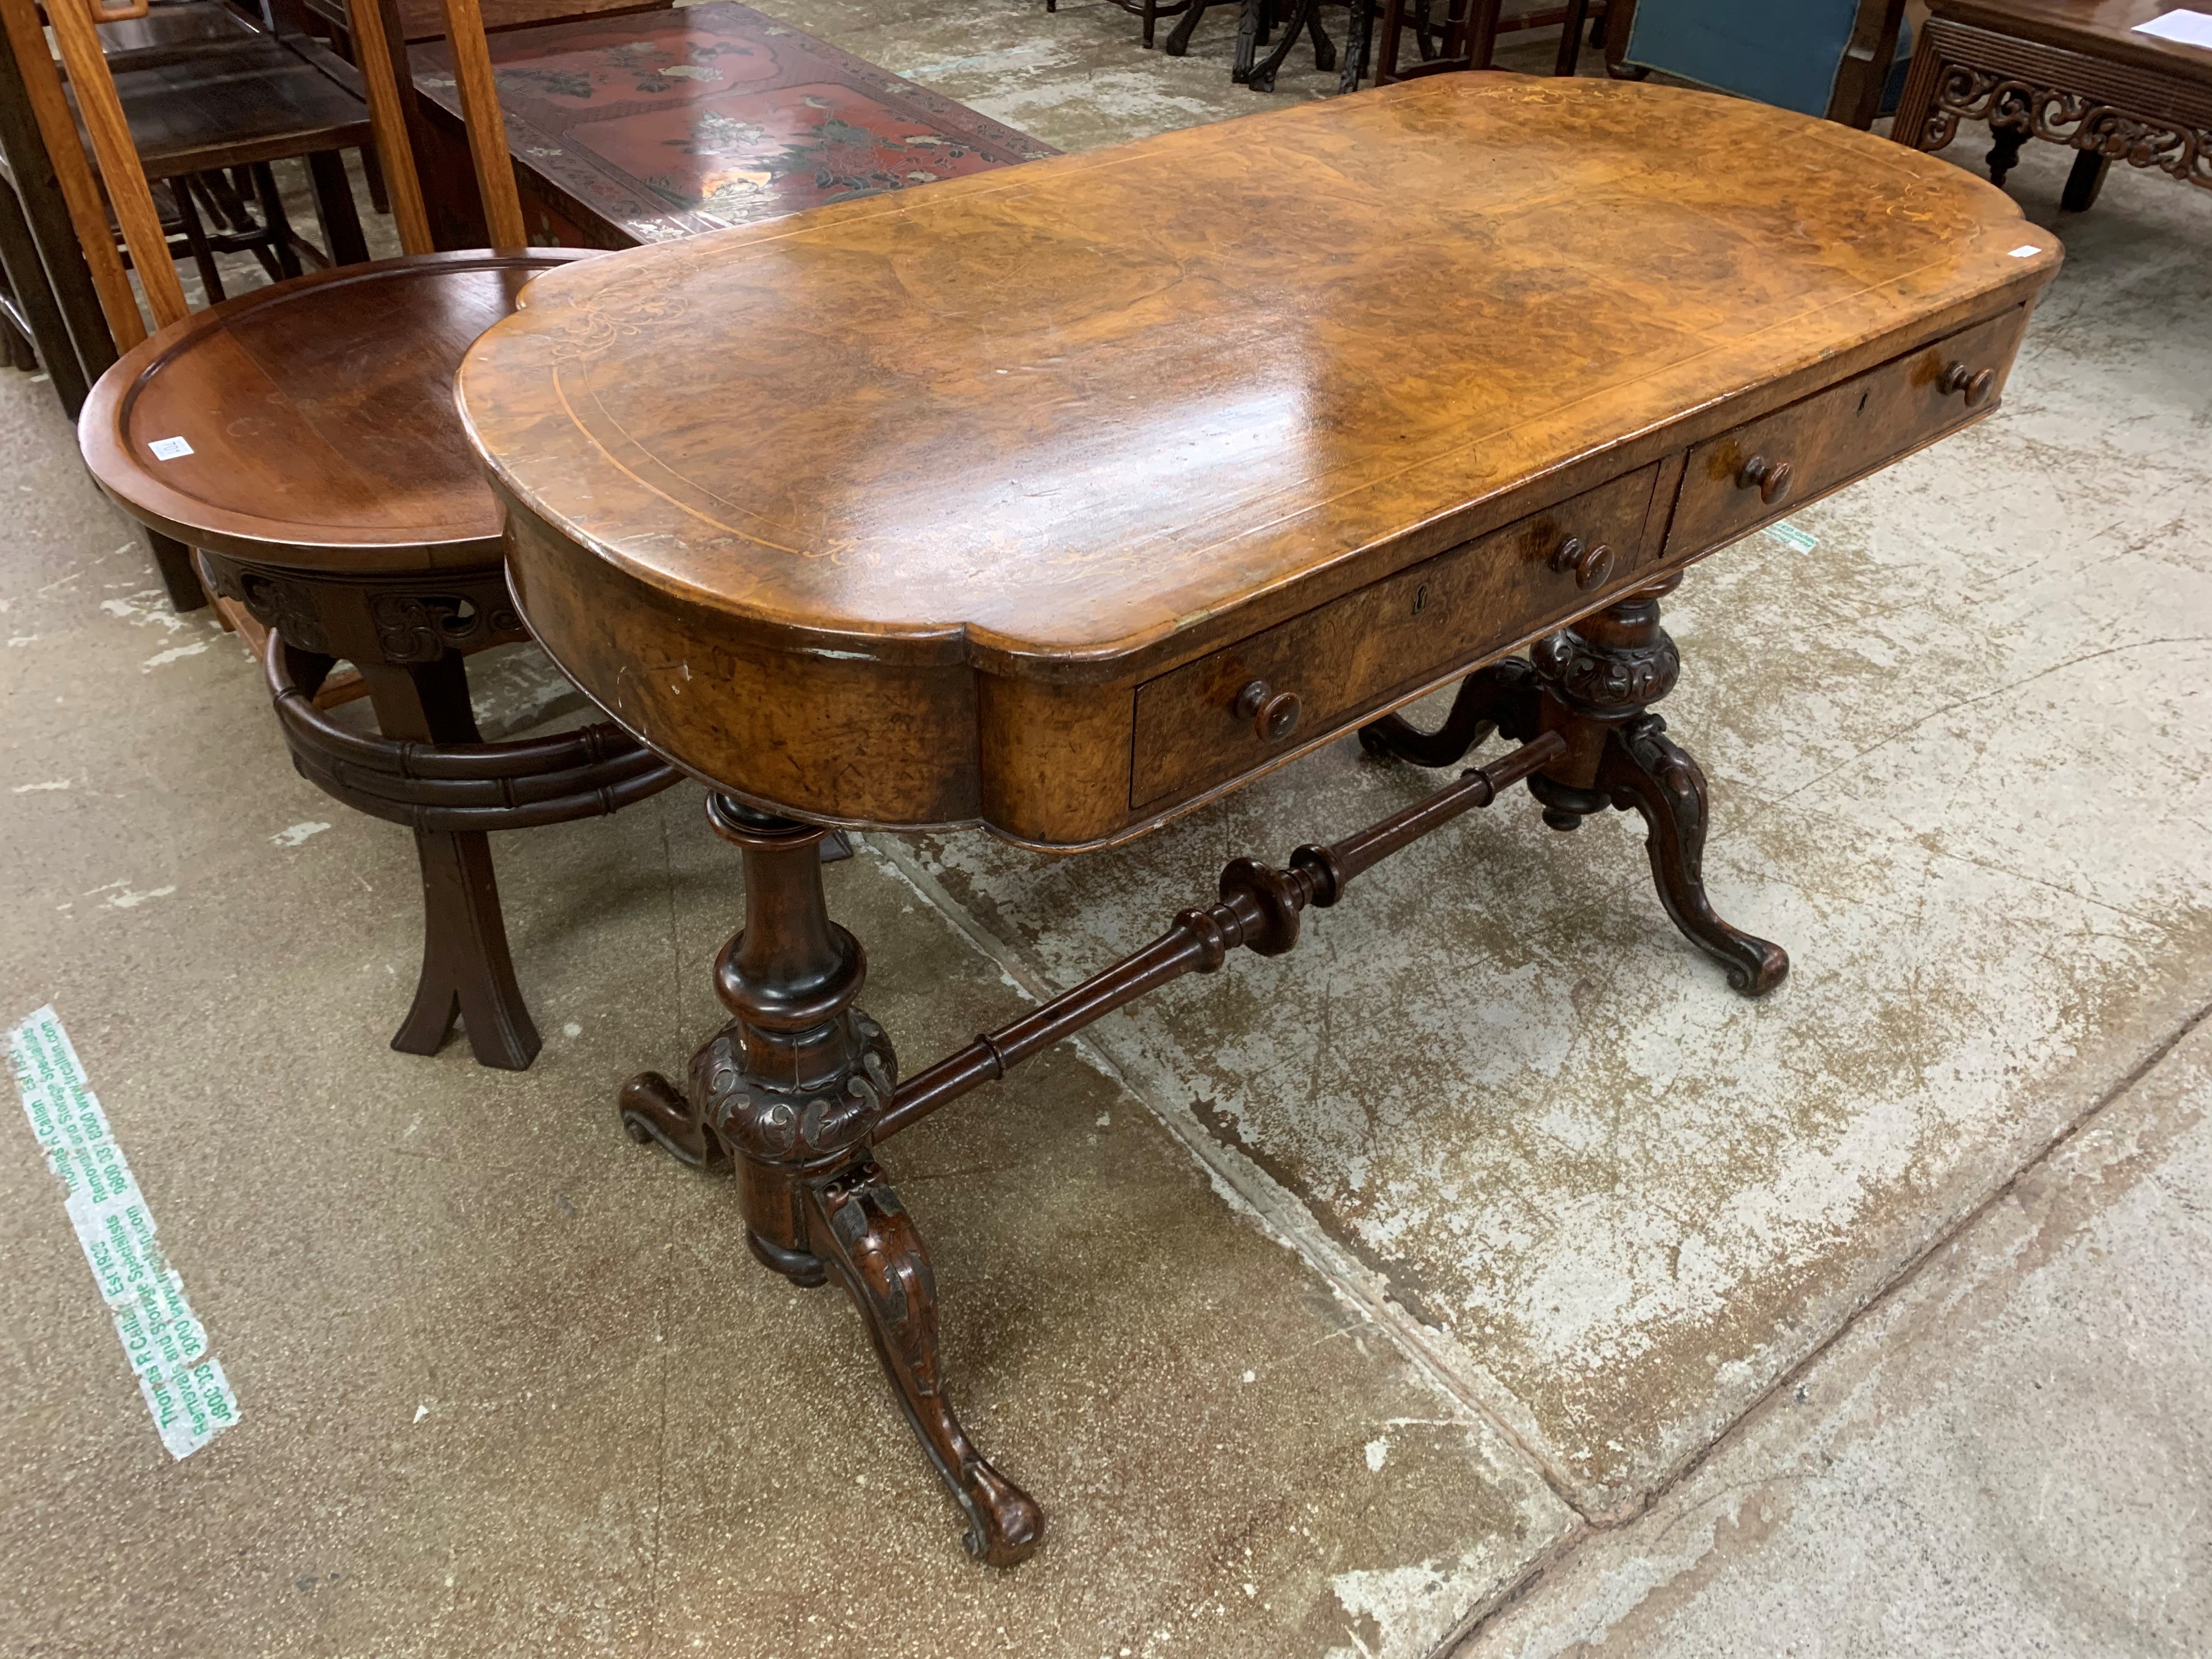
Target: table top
(1056, 414)
(318, 417)
(2104, 29)
(665, 124)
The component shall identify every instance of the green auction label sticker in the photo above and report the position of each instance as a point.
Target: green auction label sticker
(184, 1384)
(1792, 538)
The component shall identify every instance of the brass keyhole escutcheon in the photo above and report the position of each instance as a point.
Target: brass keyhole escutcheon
(1592, 565)
(1275, 714)
(1771, 479)
(1977, 387)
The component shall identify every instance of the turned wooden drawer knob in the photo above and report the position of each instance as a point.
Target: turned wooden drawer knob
(1957, 377)
(1273, 715)
(1770, 478)
(1592, 565)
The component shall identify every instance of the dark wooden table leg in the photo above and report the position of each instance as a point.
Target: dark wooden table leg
(790, 1089)
(180, 577)
(335, 210)
(2004, 153)
(1263, 75)
(1599, 679)
(2083, 183)
(1178, 40)
(467, 973)
(1571, 38)
(1594, 684)
(1358, 44)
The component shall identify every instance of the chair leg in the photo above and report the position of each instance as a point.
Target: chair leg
(180, 191)
(1571, 38)
(371, 175)
(275, 220)
(335, 209)
(26, 280)
(467, 971)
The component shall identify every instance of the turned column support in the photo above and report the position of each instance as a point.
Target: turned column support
(790, 1090)
(1592, 685)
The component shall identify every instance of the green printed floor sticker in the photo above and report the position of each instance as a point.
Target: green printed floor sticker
(183, 1382)
(1796, 540)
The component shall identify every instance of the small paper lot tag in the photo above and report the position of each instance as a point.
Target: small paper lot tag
(169, 449)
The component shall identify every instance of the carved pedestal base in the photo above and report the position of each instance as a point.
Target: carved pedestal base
(1593, 685)
(792, 1091)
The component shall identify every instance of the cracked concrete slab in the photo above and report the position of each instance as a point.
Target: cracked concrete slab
(1959, 752)
(1986, 1463)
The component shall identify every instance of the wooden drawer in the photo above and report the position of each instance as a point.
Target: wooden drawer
(1389, 638)
(1840, 434)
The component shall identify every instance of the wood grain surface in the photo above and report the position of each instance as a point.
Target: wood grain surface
(883, 513)
(320, 417)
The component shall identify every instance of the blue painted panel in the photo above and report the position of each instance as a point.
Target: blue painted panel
(1779, 51)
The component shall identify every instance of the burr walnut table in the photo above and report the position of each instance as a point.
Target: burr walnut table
(2075, 72)
(1061, 500)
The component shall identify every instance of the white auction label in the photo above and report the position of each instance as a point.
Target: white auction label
(183, 1382)
(170, 449)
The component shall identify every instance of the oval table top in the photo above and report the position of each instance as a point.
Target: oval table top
(317, 417)
(1051, 415)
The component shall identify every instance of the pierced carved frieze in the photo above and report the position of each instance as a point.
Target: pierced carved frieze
(2010, 103)
(422, 627)
(276, 603)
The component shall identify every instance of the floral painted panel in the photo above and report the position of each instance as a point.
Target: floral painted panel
(652, 124)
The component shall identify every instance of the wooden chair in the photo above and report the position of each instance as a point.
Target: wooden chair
(1836, 58)
(1258, 23)
(1466, 36)
(303, 438)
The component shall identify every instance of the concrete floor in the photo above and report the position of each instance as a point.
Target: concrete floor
(1484, 1277)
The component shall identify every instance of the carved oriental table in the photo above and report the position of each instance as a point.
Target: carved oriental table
(2076, 72)
(1061, 500)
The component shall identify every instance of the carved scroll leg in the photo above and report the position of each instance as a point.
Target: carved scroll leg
(1645, 769)
(858, 1226)
(1499, 698)
(654, 1109)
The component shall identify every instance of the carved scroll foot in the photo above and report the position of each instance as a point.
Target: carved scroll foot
(1599, 679)
(1644, 768)
(857, 1224)
(654, 1109)
(1500, 698)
